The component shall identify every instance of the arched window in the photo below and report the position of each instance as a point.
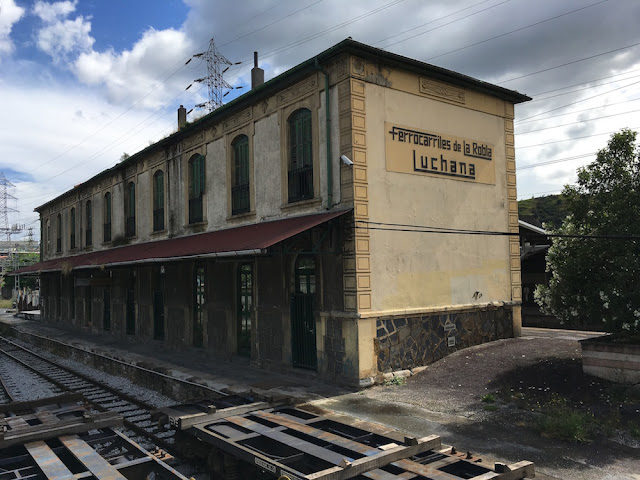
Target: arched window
(240, 199)
(196, 188)
(300, 156)
(158, 201)
(89, 222)
(305, 275)
(130, 210)
(59, 234)
(107, 217)
(72, 228)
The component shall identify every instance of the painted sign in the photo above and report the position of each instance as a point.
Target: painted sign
(409, 150)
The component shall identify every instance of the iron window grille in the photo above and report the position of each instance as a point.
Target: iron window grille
(89, 230)
(196, 188)
(130, 227)
(158, 201)
(300, 181)
(130, 221)
(301, 184)
(158, 219)
(107, 232)
(72, 236)
(240, 199)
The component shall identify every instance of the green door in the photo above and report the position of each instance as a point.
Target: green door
(303, 321)
(245, 308)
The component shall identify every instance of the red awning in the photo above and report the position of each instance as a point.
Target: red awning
(245, 240)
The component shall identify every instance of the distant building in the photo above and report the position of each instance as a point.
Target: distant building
(245, 233)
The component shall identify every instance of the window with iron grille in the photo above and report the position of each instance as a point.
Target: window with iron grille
(107, 217)
(130, 226)
(158, 201)
(59, 234)
(196, 188)
(72, 228)
(300, 172)
(89, 228)
(240, 198)
(48, 234)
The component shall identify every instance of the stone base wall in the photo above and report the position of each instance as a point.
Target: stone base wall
(405, 342)
(334, 349)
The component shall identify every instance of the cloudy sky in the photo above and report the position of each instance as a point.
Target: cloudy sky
(84, 81)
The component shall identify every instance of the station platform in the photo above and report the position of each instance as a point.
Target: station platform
(233, 375)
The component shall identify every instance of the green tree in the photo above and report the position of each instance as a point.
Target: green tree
(595, 279)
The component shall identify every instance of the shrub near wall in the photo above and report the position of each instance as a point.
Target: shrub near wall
(406, 342)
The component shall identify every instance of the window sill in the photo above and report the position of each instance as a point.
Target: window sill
(196, 224)
(301, 203)
(159, 232)
(241, 216)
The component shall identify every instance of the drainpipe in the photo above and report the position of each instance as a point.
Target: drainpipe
(329, 154)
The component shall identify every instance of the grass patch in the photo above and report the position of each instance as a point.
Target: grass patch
(5, 303)
(398, 381)
(560, 421)
(491, 407)
(488, 398)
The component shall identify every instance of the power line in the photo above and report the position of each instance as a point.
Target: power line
(433, 21)
(580, 89)
(570, 63)
(271, 24)
(398, 227)
(557, 160)
(577, 101)
(579, 122)
(516, 30)
(444, 24)
(306, 39)
(568, 139)
(581, 111)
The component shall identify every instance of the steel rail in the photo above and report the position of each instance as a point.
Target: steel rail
(106, 400)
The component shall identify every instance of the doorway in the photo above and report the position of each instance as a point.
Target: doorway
(303, 322)
(245, 308)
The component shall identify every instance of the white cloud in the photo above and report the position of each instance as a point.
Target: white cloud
(139, 73)
(10, 13)
(53, 12)
(60, 37)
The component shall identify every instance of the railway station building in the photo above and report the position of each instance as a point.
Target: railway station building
(326, 220)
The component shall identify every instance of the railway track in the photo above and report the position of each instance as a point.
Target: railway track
(137, 415)
(20, 383)
(5, 392)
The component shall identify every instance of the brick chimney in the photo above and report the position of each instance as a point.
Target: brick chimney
(257, 74)
(182, 117)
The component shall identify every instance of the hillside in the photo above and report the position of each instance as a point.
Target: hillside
(550, 209)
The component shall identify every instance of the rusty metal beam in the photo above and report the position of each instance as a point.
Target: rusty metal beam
(18, 407)
(186, 421)
(48, 461)
(28, 433)
(97, 465)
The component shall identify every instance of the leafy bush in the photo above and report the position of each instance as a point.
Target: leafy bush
(595, 278)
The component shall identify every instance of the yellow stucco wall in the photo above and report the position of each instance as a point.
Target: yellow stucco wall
(421, 270)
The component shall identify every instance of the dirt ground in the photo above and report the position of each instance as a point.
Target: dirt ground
(505, 400)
